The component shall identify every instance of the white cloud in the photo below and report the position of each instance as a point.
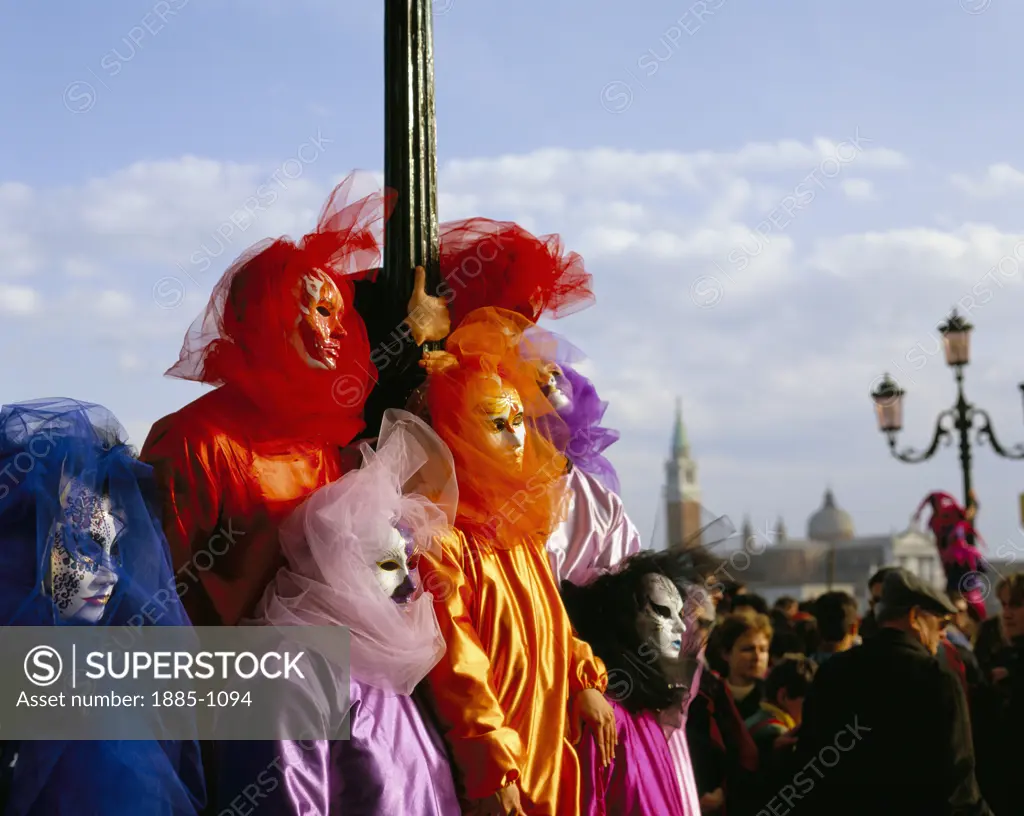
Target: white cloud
(17, 300)
(80, 268)
(18, 255)
(15, 194)
(130, 362)
(965, 257)
(999, 180)
(662, 173)
(858, 189)
(111, 303)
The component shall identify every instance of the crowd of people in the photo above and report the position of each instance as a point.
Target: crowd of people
(810, 707)
(514, 646)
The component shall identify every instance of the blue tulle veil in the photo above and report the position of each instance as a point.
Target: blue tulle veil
(43, 444)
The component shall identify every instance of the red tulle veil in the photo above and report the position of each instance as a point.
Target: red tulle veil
(499, 264)
(241, 341)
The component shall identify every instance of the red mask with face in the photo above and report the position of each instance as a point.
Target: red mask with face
(319, 327)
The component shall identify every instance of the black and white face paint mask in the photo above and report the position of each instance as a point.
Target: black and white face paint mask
(660, 621)
(83, 553)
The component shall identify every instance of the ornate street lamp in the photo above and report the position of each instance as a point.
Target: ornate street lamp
(888, 399)
(962, 418)
(956, 337)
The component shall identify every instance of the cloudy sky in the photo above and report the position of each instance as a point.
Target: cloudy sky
(777, 207)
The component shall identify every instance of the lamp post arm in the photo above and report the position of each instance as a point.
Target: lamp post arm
(943, 435)
(986, 433)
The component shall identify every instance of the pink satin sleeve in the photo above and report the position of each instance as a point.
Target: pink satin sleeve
(597, 535)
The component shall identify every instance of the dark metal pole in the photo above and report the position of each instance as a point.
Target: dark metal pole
(963, 424)
(410, 147)
(411, 233)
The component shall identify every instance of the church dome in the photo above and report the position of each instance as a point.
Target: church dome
(830, 524)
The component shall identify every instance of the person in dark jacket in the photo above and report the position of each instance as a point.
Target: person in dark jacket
(723, 753)
(868, 625)
(775, 727)
(885, 728)
(782, 614)
(989, 645)
(782, 709)
(999, 711)
(750, 601)
(836, 614)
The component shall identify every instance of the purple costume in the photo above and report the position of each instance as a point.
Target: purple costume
(587, 439)
(640, 781)
(394, 761)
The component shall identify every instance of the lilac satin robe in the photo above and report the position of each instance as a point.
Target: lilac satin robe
(596, 536)
(394, 763)
(640, 781)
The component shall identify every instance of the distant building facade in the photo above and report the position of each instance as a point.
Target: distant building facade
(832, 556)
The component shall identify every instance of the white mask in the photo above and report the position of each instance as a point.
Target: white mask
(82, 553)
(660, 621)
(552, 386)
(391, 566)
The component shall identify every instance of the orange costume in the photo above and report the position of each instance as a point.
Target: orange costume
(292, 363)
(512, 665)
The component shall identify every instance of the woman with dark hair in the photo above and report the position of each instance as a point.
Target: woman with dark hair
(641, 621)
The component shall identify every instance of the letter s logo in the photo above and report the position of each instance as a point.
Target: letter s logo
(43, 665)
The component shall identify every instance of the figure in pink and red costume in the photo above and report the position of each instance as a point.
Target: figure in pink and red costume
(956, 538)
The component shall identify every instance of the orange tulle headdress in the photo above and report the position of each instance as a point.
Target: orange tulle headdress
(500, 264)
(503, 502)
(246, 336)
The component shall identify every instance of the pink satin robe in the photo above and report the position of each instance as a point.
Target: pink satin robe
(597, 535)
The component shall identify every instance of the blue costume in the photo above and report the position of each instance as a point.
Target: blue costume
(81, 544)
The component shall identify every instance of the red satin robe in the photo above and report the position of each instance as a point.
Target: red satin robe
(224, 494)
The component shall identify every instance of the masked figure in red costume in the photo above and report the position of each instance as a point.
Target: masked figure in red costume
(956, 538)
(290, 360)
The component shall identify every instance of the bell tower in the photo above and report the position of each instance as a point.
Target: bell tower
(682, 490)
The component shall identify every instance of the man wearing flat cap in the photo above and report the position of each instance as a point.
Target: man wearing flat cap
(885, 727)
